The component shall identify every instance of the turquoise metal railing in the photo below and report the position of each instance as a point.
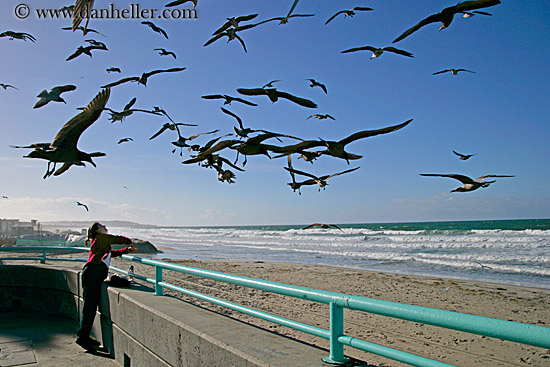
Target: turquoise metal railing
(507, 330)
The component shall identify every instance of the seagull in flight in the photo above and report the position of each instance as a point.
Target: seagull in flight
(113, 70)
(376, 52)
(348, 13)
(228, 99)
(321, 117)
(284, 20)
(446, 15)
(155, 28)
(274, 96)
(125, 140)
(170, 126)
(17, 35)
(83, 205)
(163, 52)
(143, 78)
(179, 2)
(234, 22)
(87, 50)
(270, 84)
(231, 34)
(83, 30)
(336, 148)
(323, 226)
(468, 183)
(452, 71)
(315, 83)
(464, 156)
(6, 86)
(63, 148)
(322, 180)
(53, 95)
(127, 111)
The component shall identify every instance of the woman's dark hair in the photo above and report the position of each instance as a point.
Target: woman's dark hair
(92, 232)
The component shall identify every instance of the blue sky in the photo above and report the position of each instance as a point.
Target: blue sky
(500, 112)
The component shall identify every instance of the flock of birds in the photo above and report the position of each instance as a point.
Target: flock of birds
(246, 141)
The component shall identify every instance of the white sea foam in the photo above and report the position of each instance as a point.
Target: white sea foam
(507, 256)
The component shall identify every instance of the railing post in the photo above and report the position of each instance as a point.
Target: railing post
(43, 261)
(158, 279)
(336, 330)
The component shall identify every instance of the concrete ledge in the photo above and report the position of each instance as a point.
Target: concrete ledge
(40, 289)
(144, 330)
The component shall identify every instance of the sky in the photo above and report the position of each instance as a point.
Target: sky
(500, 113)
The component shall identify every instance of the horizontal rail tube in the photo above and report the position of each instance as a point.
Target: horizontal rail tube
(394, 354)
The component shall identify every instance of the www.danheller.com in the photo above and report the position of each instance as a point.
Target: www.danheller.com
(134, 11)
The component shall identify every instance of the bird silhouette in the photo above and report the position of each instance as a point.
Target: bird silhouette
(86, 50)
(63, 148)
(322, 180)
(323, 226)
(270, 84)
(127, 111)
(179, 2)
(228, 99)
(468, 183)
(376, 52)
(155, 28)
(163, 52)
(113, 70)
(231, 34)
(274, 96)
(234, 22)
(18, 35)
(83, 205)
(84, 31)
(284, 20)
(348, 13)
(452, 71)
(464, 156)
(170, 126)
(143, 78)
(182, 141)
(315, 83)
(6, 86)
(336, 148)
(125, 140)
(446, 15)
(321, 117)
(53, 95)
(253, 146)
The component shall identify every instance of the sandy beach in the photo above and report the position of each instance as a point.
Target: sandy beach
(520, 304)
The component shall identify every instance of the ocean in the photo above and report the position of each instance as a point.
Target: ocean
(498, 251)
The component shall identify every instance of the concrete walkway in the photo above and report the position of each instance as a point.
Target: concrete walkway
(28, 339)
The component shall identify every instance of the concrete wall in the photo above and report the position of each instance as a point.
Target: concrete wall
(141, 329)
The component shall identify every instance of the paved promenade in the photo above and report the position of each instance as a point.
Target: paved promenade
(30, 339)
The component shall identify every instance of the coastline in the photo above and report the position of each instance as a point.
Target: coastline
(506, 302)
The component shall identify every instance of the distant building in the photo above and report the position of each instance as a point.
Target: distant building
(13, 227)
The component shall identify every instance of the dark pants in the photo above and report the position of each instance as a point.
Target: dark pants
(92, 281)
